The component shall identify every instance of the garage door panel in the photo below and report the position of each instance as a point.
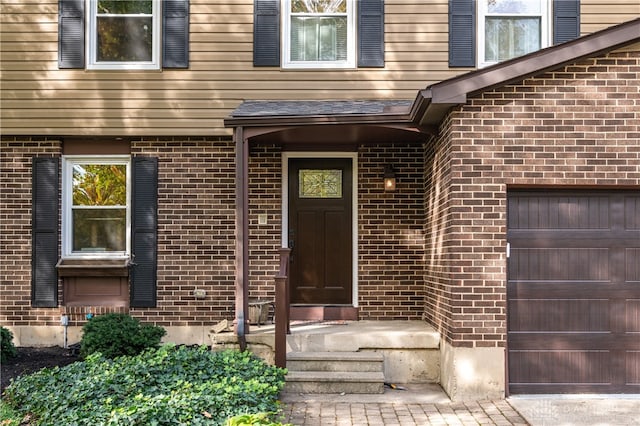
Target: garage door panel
(559, 315)
(561, 366)
(559, 264)
(631, 209)
(632, 265)
(632, 317)
(573, 291)
(632, 366)
(562, 211)
(587, 341)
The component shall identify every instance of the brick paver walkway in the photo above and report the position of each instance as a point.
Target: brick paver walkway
(400, 414)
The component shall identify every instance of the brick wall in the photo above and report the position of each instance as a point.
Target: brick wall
(196, 229)
(578, 126)
(15, 230)
(390, 229)
(438, 308)
(196, 218)
(265, 193)
(391, 241)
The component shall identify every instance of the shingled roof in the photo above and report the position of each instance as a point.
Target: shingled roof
(315, 108)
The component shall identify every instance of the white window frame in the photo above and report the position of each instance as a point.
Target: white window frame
(286, 41)
(545, 27)
(92, 51)
(68, 162)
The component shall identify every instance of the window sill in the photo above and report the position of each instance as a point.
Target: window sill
(93, 267)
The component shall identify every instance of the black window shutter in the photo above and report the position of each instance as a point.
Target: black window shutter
(266, 33)
(44, 232)
(175, 34)
(371, 33)
(71, 34)
(462, 33)
(144, 232)
(566, 20)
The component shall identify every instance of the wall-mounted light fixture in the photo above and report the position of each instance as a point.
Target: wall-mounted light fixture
(389, 178)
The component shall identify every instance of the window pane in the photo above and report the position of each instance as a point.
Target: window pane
(319, 6)
(99, 185)
(125, 6)
(318, 39)
(124, 39)
(99, 230)
(529, 7)
(320, 183)
(508, 38)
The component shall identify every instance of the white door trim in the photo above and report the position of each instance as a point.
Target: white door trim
(354, 208)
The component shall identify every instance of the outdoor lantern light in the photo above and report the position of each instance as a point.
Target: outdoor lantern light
(389, 178)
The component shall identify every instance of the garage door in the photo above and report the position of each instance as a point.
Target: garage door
(574, 292)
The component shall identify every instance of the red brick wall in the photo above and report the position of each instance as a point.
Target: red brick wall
(578, 126)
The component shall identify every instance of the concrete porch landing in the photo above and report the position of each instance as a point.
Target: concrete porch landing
(353, 336)
(411, 349)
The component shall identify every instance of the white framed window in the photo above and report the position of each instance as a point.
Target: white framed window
(511, 28)
(319, 34)
(123, 34)
(96, 200)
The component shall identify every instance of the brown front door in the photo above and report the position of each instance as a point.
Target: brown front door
(320, 230)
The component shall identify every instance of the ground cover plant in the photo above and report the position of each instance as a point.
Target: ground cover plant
(171, 385)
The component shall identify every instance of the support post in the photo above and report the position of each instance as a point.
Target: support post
(282, 308)
(242, 236)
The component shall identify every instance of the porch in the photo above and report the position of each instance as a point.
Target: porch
(348, 356)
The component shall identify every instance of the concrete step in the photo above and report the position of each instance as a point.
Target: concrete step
(335, 361)
(322, 382)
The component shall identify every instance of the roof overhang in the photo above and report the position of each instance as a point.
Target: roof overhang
(433, 103)
(328, 122)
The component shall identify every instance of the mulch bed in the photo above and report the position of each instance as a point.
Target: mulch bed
(30, 360)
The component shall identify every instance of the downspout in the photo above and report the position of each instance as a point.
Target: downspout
(242, 236)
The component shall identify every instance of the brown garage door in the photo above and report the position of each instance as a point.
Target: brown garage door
(574, 291)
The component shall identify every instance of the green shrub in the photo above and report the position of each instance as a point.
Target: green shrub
(118, 334)
(166, 386)
(8, 349)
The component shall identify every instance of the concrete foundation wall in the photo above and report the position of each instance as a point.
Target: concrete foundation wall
(472, 373)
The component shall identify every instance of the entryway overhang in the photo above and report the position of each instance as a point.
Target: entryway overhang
(341, 125)
(327, 122)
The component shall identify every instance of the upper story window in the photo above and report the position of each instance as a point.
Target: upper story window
(327, 34)
(319, 34)
(124, 34)
(96, 199)
(511, 28)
